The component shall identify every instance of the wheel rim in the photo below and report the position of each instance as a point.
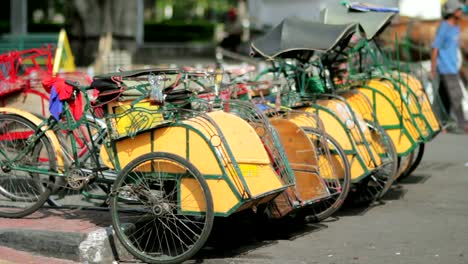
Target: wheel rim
(160, 210)
(334, 168)
(404, 164)
(21, 190)
(416, 160)
(380, 181)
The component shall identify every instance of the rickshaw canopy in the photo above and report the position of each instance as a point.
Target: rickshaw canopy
(294, 37)
(372, 22)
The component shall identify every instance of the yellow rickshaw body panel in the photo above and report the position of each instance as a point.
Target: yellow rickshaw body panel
(415, 85)
(337, 131)
(386, 114)
(413, 108)
(182, 139)
(329, 167)
(302, 158)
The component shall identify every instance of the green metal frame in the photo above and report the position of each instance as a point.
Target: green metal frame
(281, 68)
(400, 126)
(110, 146)
(382, 68)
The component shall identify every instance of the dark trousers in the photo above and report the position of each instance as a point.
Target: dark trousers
(450, 92)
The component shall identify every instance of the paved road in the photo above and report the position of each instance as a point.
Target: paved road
(423, 220)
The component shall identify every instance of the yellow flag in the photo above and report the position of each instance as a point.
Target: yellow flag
(63, 59)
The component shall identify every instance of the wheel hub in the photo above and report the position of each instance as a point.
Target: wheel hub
(77, 179)
(161, 209)
(6, 168)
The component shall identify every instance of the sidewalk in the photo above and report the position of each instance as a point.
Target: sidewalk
(71, 234)
(11, 256)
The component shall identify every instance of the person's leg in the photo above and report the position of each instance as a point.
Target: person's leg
(441, 102)
(444, 97)
(455, 94)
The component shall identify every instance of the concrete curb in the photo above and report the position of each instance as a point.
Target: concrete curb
(98, 246)
(47, 243)
(102, 246)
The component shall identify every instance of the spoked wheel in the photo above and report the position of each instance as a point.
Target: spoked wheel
(162, 210)
(21, 192)
(404, 163)
(335, 170)
(71, 187)
(415, 161)
(379, 182)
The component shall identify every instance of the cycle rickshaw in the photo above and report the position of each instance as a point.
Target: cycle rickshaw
(398, 97)
(169, 169)
(319, 189)
(305, 86)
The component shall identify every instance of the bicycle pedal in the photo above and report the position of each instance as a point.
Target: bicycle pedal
(100, 169)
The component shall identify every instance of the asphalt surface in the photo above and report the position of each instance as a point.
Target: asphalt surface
(424, 220)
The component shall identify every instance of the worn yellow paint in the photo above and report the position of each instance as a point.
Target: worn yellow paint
(130, 119)
(333, 126)
(388, 116)
(267, 180)
(340, 134)
(302, 157)
(415, 85)
(192, 196)
(242, 139)
(362, 101)
(330, 166)
(412, 105)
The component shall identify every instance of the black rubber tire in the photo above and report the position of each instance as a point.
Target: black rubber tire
(125, 240)
(404, 163)
(345, 185)
(45, 191)
(366, 192)
(417, 160)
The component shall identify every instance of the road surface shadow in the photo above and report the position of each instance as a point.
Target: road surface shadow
(396, 192)
(235, 236)
(436, 166)
(100, 218)
(418, 178)
(349, 208)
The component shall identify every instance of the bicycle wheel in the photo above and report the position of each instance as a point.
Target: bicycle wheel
(379, 182)
(415, 162)
(162, 210)
(404, 163)
(21, 192)
(335, 170)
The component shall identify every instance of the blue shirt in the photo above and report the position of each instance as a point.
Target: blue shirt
(447, 42)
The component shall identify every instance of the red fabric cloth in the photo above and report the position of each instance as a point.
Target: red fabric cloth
(65, 92)
(76, 107)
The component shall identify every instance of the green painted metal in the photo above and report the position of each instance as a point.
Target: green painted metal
(37, 171)
(414, 143)
(218, 158)
(365, 45)
(353, 151)
(361, 133)
(187, 144)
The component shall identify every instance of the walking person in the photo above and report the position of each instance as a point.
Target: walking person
(445, 62)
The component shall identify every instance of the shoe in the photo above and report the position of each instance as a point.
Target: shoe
(455, 130)
(458, 130)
